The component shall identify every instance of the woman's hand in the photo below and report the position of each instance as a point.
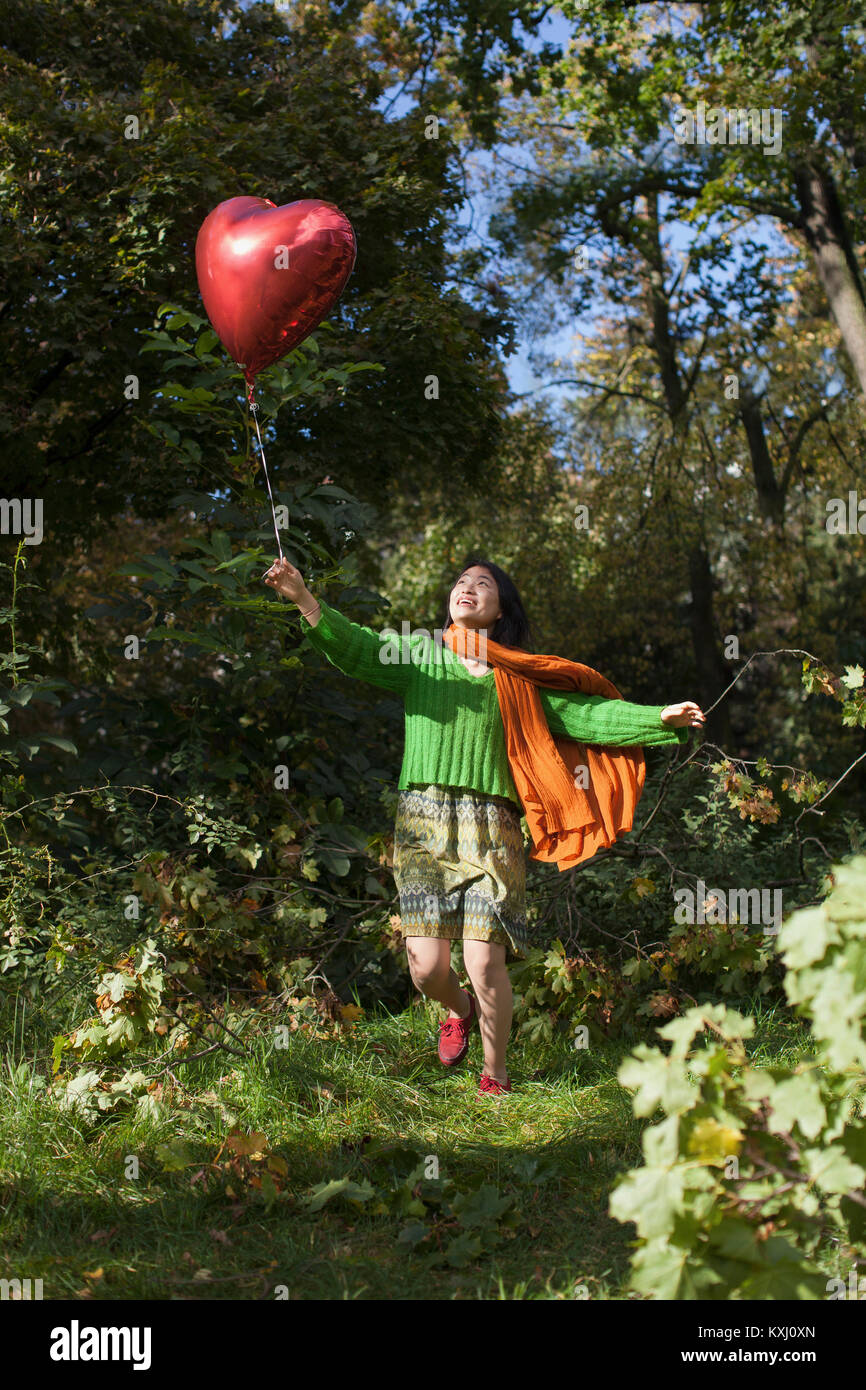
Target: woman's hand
(287, 581)
(679, 716)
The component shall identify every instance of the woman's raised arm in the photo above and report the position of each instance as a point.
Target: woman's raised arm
(355, 650)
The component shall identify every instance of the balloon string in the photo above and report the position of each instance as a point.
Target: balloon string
(254, 411)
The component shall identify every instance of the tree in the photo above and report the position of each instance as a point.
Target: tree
(608, 179)
(123, 126)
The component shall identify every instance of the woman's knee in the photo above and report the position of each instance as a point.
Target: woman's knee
(429, 959)
(484, 961)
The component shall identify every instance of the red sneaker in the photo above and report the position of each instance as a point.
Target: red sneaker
(488, 1085)
(454, 1036)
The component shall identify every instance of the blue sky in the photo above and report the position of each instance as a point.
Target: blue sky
(522, 378)
(557, 29)
(678, 238)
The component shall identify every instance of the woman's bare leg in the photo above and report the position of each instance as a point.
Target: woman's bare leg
(430, 968)
(485, 966)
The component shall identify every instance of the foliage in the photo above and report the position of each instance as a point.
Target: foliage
(443, 1223)
(752, 1167)
(98, 228)
(591, 997)
(237, 909)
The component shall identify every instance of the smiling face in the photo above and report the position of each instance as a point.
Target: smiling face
(474, 600)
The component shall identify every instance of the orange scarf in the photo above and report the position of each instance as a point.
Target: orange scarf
(567, 823)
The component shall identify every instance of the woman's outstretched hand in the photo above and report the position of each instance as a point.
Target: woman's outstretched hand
(287, 581)
(679, 716)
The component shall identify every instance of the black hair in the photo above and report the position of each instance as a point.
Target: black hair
(513, 628)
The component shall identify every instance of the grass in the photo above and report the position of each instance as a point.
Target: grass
(370, 1106)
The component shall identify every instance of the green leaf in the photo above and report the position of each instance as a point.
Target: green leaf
(682, 1031)
(832, 1170)
(77, 1091)
(222, 546)
(335, 863)
(797, 1101)
(480, 1208)
(207, 341)
(785, 1273)
(806, 936)
(665, 1271)
(175, 1155)
(462, 1250)
(650, 1197)
(59, 1045)
(120, 1030)
(62, 743)
(657, 1081)
(338, 1187)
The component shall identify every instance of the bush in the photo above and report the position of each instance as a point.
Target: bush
(755, 1170)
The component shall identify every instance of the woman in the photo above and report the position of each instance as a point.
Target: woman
(459, 860)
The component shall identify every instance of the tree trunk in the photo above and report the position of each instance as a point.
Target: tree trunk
(827, 234)
(771, 499)
(714, 673)
(658, 307)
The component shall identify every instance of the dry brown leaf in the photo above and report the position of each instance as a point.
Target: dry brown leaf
(664, 1005)
(241, 1144)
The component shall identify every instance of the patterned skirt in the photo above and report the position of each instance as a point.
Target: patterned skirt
(460, 867)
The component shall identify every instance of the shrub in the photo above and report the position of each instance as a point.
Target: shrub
(754, 1170)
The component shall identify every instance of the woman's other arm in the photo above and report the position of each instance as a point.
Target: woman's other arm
(596, 719)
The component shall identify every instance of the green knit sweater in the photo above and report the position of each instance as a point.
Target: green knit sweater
(454, 731)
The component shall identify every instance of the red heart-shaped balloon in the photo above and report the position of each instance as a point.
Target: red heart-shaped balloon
(268, 275)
